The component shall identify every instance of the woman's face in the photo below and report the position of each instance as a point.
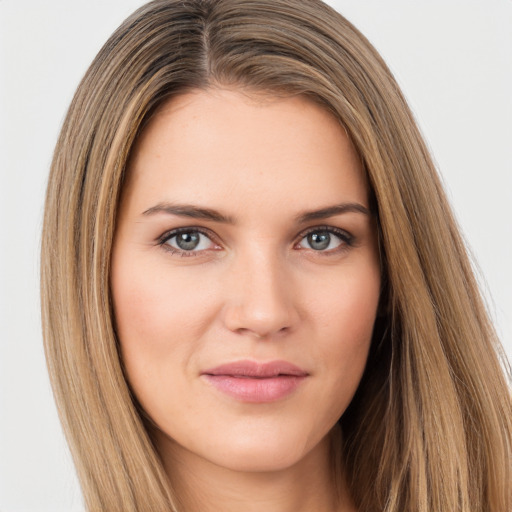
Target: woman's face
(245, 277)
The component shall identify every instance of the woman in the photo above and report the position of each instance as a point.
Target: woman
(253, 287)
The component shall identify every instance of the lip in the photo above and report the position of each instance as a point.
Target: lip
(255, 382)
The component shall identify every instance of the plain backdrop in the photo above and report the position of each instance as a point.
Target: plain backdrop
(453, 59)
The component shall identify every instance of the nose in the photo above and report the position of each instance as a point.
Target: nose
(261, 300)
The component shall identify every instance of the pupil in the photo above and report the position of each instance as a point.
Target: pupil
(319, 241)
(187, 241)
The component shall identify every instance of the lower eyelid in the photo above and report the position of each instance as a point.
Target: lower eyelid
(178, 252)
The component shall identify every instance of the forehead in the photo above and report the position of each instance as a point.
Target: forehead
(217, 146)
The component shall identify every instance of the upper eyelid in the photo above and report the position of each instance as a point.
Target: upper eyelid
(331, 229)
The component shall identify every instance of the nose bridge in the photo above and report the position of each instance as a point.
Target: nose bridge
(260, 298)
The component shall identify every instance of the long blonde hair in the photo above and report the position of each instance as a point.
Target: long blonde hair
(430, 427)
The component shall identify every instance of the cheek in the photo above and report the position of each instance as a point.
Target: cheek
(159, 321)
(154, 305)
(347, 305)
(345, 318)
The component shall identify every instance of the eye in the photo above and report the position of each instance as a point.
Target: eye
(325, 239)
(187, 241)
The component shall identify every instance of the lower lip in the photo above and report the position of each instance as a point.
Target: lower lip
(254, 390)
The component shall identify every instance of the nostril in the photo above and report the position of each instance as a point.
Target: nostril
(260, 335)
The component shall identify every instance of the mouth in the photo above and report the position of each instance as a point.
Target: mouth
(253, 382)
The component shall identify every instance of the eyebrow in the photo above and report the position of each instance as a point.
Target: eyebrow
(331, 211)
(196, 212)
(186, 210)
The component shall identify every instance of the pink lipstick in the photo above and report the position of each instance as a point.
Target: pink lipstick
(250, 381)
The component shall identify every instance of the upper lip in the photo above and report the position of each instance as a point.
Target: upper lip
(257, 369)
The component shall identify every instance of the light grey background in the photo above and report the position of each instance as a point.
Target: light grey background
(451, 57)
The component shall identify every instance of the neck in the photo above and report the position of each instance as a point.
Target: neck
(310, 484)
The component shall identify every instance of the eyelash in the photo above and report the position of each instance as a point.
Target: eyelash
(347, 240)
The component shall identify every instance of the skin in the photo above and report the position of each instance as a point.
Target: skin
(255, 288)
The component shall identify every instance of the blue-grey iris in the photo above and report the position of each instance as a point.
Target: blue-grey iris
(187, 241)
(319, 240)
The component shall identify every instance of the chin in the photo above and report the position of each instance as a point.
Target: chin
(265, 451)
(253, 462)
(259, 459)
